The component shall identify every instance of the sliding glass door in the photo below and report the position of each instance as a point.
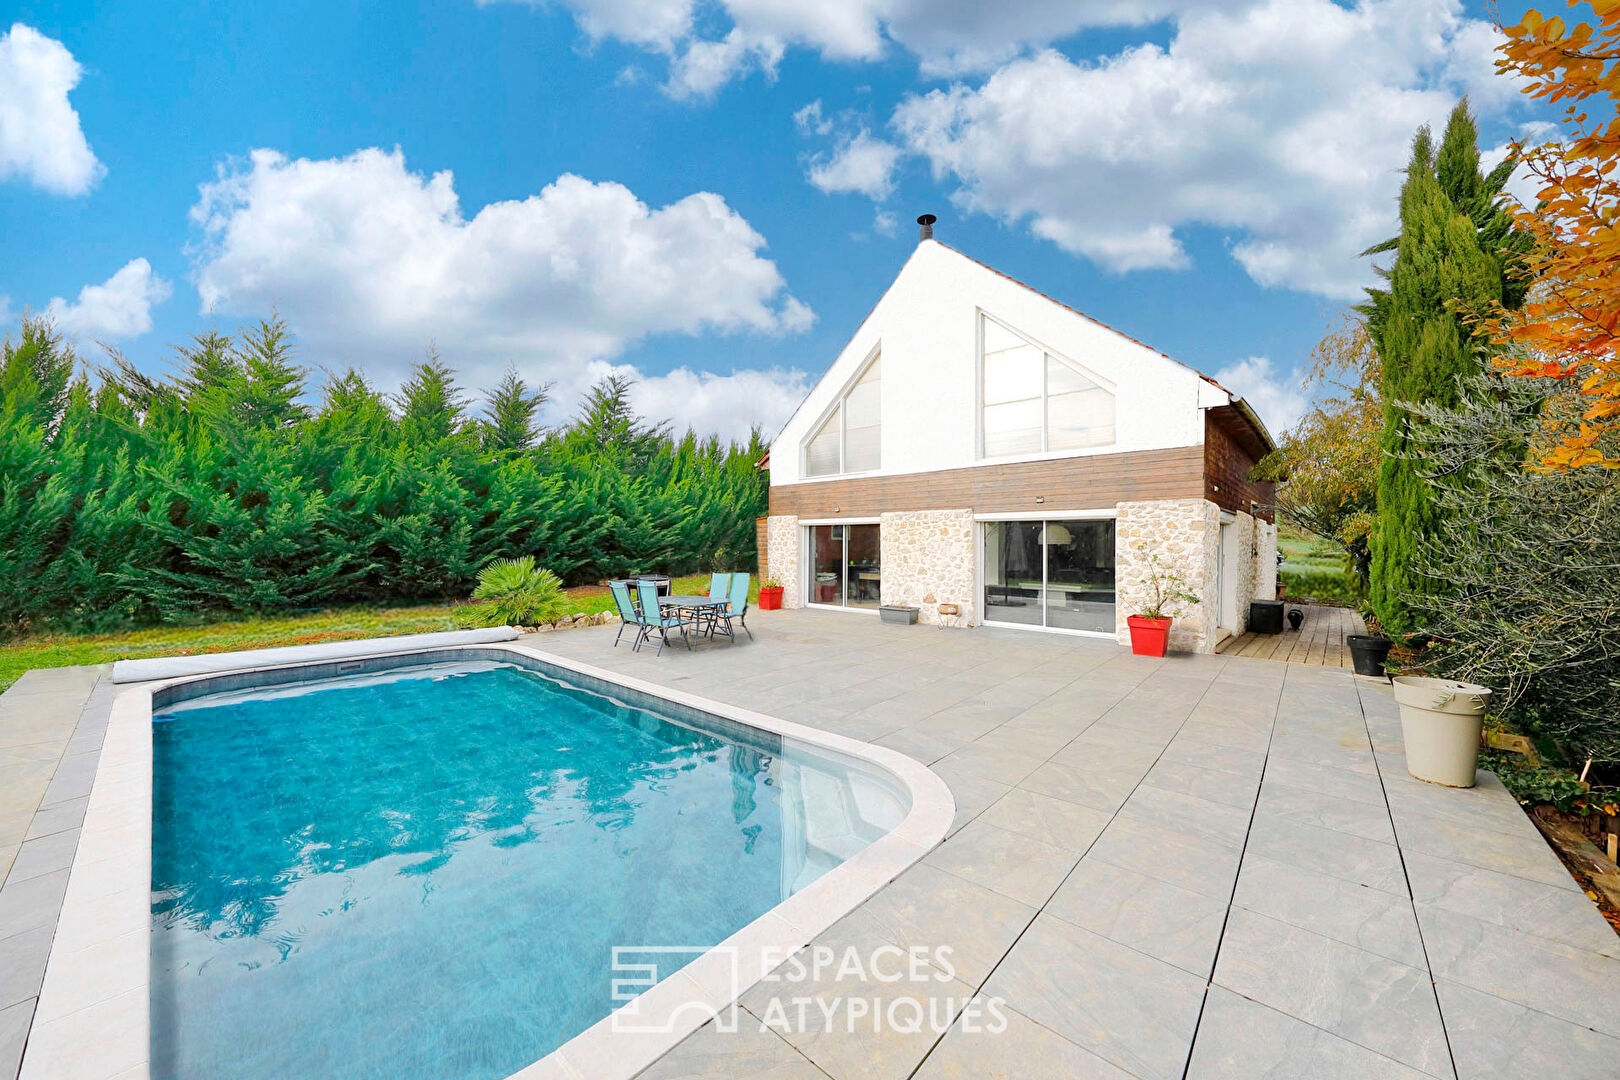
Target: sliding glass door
(1051, 573)
(845, 565)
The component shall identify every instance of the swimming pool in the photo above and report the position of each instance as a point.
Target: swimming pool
(423, 870)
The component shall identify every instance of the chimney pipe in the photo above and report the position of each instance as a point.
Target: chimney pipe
(927, 230)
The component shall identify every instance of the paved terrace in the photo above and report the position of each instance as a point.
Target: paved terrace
(1203, 866)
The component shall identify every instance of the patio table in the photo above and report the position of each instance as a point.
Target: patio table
(698, 604)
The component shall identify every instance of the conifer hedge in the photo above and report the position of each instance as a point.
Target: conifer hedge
(127, 499)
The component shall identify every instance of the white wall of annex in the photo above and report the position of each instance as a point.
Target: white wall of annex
(927, 327)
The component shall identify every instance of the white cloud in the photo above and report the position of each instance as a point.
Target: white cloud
(727, 405)
(705, 66)
(945, 37)
(120, 307)
(40, 137)
(369, 262)
(1285, 124)
(1278, 397)
(810, 120)
(860, 164)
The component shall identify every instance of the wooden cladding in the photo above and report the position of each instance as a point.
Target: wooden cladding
(1075, 483)
(1230, 452)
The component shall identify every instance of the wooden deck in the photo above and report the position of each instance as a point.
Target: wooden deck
(1319, 641)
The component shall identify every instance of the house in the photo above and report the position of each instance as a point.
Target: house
(991, 456)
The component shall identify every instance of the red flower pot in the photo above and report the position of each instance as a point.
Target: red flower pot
(770, 597)
(1148, 636)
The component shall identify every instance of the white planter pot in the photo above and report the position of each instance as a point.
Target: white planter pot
(1440, 724)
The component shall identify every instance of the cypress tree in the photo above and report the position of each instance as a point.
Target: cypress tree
(1453, 258)
(510, 423)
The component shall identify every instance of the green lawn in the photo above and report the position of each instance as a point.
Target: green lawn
(1314, 568)
(63, 650)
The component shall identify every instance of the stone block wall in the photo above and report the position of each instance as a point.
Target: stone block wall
(1246, 544)
(1185, 533)
(928, 561)
(780, 558)
(1265, 561)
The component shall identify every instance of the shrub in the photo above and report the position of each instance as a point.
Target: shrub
(1522, 591)
(517, 593)
(1329, 586)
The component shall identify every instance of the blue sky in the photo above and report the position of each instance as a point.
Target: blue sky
(710, 193)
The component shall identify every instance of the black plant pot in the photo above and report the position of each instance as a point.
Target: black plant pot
(1368, 653)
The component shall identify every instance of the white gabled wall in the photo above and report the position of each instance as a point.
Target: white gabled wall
(927, 326)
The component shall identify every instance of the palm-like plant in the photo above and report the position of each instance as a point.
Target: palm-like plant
(517, 593)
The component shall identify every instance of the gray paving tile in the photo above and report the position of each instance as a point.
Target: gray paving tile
(1019, 1050)
(59, 818)
(14, 1024)
(1212, 820)
(931, 909)
(1514, 903)
(1104, 789)
(1326, 812)
(44, 855)
(22, 963)
(1330, 783)
(1337, 854)
(749, 1051)
(1245, 763)
(1011, 864)
(1522, 856)
(1500, 1040)
(1182, 858)
(1066, 825)
(1136, 1012)
(1370, 919)
(973, 793)
(1566, 982)
(994, 763)
(34, 902)
(1239, 1039)
(1363, 998)
(1226, 788)
(916, 744)
(1165, 921)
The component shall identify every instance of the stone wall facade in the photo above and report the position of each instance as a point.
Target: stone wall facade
(780, 559)
(1244, 524)
(1265, 561)
(927, 561)
(1185, 534)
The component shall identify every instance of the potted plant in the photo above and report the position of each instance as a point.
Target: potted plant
(1166, 590)
(1441, 720)
(770, 594)
(1368, 652)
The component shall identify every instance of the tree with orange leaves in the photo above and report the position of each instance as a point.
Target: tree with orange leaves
(1568, 327)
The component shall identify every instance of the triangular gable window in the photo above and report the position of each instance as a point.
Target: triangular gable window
(1035, 401)
(850, 438)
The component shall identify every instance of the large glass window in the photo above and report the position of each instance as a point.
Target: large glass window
(845, 565)
(850, 439)
(1050, 573)
(1034, 401)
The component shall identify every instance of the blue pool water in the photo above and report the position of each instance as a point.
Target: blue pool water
(422, 873)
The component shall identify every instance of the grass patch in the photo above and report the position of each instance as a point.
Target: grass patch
(335, 624)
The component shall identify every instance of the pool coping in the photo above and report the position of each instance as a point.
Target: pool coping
(92, 1021)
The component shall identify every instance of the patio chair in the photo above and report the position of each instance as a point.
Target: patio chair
(628, 614)
(736, 608)
(653, 620)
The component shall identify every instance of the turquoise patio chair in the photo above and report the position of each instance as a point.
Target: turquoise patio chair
(736, 608)
(653, 619)
(628, 615)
